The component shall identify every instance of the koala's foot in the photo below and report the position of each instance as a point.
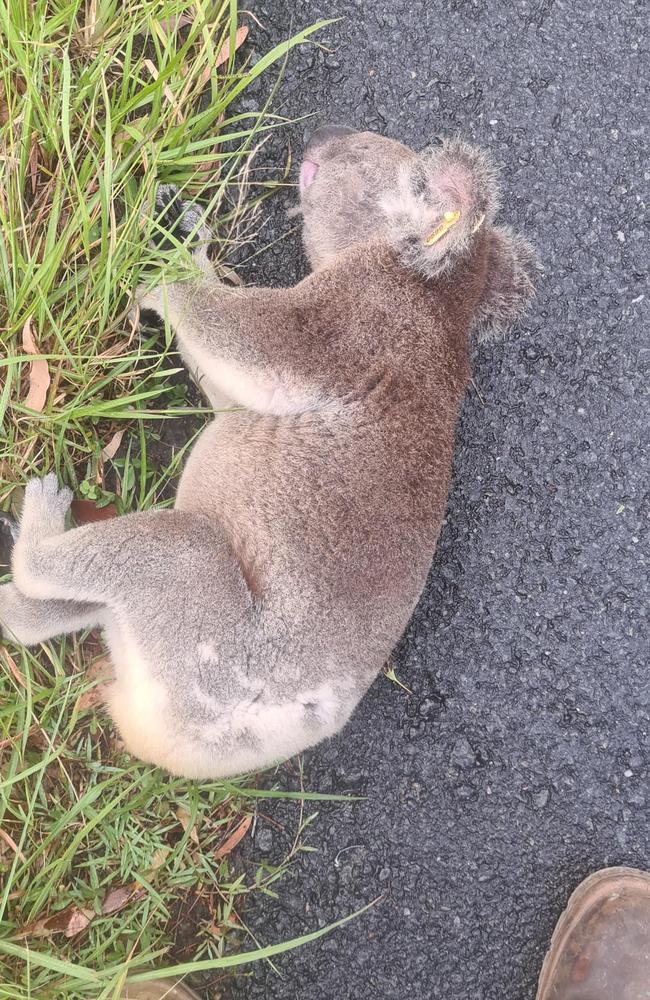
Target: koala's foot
(44, 508)
(43, 518)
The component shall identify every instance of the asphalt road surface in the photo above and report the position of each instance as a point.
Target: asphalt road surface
(521, 760)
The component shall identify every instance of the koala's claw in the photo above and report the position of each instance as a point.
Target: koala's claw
(178, 218)
(8, 538)
(45, 506)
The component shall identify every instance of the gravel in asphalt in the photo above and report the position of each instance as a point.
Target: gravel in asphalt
(521, 760)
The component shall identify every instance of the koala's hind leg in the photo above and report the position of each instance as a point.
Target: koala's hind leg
(153, 558)
(30, 621)
(173, 592)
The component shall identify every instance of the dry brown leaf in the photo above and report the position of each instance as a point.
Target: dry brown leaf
(94, 698)
(218, 930)
(175, 22)
(223, 55)
(230, 843)
(74, 919)
(87, 511)
(102, 671)
(117, 899)
(69, 921)
(185, 820)
(39, 373)
(32, 162)
(109, 450)
(160, 856)
(37, 739)
(13, 668)
(4, 107)
(167, 91)
(78, 921)
(224, 52)
(9, 840)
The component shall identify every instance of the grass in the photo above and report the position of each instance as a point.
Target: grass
(104, 860)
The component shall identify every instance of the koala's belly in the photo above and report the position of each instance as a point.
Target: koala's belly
(261, 475)
(308, 502)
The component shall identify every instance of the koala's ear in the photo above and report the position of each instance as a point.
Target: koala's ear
(509, 286)
(443, 198)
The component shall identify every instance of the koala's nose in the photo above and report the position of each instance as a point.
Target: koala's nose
(324, 133)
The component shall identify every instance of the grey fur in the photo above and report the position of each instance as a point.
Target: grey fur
(246, 624)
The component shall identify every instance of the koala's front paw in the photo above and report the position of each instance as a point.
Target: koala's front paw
(176, 221)
(149, 300)
(183, 221)
(42, 519)
(44, 508)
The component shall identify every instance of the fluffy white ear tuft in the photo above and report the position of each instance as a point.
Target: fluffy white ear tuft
(512, 268)
(443, 198)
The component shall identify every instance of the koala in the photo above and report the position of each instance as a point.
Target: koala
(245, 624)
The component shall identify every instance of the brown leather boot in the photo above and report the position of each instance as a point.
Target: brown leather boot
(600, 949)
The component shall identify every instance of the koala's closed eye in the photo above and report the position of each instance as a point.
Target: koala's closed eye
(419, 183)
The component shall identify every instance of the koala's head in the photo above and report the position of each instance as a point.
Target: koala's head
(434, 208)
(358, 185)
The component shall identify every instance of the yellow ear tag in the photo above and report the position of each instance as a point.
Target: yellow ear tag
(449, 220)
